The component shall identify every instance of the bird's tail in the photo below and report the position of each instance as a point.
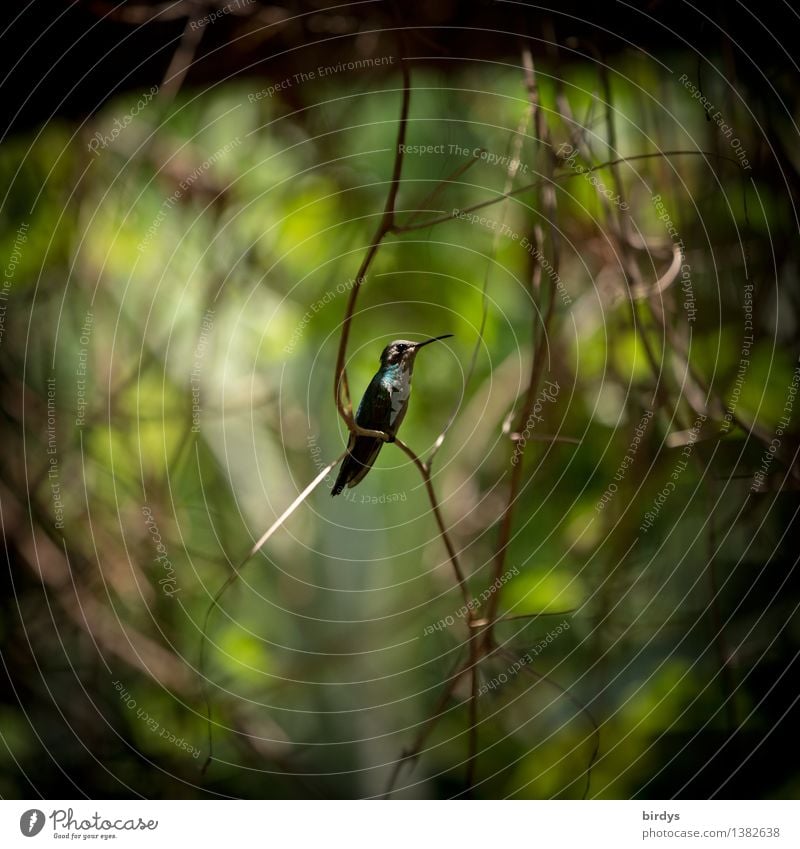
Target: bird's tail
(361, 454)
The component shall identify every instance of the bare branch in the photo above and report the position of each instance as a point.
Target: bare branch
(548, 202)
(183, 57)
(437, 513)
(229, 581)
(412, 753)
(293, 506)
(441, 185)
(511, 173)
(385, 226)
(581, 707)
(664, 154)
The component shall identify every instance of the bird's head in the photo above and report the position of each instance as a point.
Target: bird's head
(402, 352)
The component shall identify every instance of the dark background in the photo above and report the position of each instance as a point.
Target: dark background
(684, 653)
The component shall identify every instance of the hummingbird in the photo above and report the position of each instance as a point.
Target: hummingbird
(383, 407)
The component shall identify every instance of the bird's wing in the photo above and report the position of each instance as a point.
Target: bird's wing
(374, 412)
(375, 409)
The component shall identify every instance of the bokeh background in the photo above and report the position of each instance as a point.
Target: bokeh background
(188, 191)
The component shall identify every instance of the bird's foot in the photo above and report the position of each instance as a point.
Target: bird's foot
(376, 434)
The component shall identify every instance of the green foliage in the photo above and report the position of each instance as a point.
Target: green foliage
(228, 292)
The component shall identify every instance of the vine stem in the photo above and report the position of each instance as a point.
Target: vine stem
(228, 583)
(344, 406)
(386, 225)
(425, 471)
(539, 347)
(663, 154)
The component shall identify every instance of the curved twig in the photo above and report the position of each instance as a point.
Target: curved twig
(228, 583)
(557, 178)
(511, 173)
(537, 361)
(540, 676)
(385, 226)
(425, 471)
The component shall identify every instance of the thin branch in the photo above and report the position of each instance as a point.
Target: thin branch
(718, 627)
(344, 406)
(291, 508)
(475, 645)
(581, 707)
(634, 280)
(386, 225)
(664, 154)
(424, 470)
(537, 366)
(228, 583)
(425, 205)
(411, 754)
(545, 437)
(183, 57)
(514, 152)
(472, 732)
(518, 616)
(664, 282)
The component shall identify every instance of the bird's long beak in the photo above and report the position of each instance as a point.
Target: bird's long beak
(428, 341)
